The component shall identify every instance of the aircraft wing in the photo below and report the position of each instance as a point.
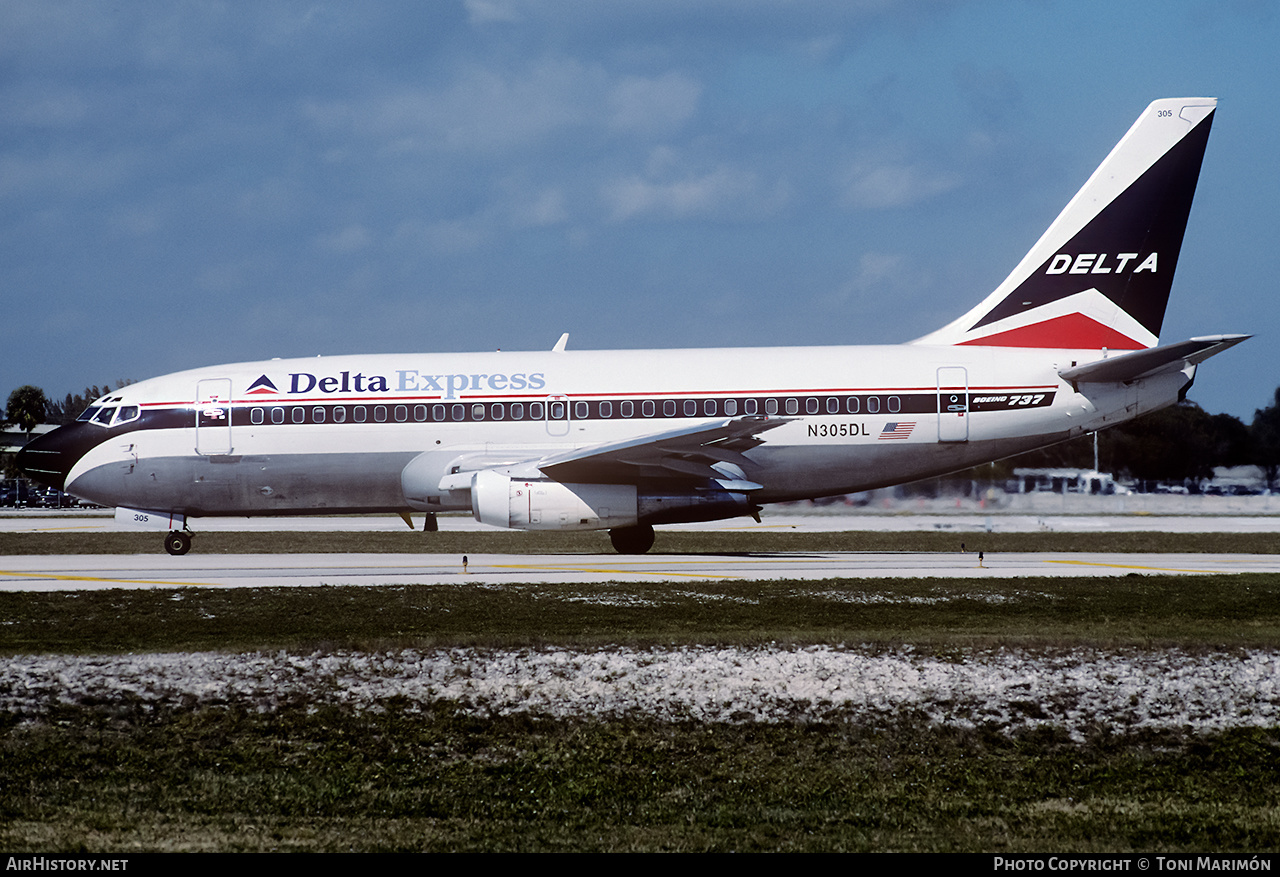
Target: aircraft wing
(1142, 363)
(710, 451)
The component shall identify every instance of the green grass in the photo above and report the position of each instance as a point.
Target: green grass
(1196, 612)
(331, 780)
(127, 776)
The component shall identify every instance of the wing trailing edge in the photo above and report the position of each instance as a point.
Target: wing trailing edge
(711, 452)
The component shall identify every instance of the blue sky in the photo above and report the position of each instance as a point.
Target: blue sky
(188, 183)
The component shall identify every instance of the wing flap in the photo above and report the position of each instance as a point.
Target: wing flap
(689, 454)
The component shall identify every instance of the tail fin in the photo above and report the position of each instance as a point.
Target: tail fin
(1100, 276)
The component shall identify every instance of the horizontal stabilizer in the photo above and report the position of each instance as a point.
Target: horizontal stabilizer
(1142, 363)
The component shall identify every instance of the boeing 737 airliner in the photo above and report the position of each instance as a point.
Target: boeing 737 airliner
(624, 440)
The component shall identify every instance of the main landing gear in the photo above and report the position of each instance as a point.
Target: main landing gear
(632, 540)
(177, 542)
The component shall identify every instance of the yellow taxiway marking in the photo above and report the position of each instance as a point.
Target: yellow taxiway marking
(60, 529)
(1134, 566)
(41, 576)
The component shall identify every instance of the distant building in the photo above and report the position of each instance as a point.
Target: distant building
(1085, 481)
(12, 438)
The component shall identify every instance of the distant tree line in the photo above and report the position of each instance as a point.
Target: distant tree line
(71, 406)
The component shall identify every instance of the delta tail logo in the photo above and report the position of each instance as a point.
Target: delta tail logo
(1100, 277)
(262, 386)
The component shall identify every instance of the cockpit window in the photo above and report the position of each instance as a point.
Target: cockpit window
(110, 415)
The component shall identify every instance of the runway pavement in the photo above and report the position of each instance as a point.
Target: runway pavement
(811, 520)
(93, 572)
(63, 572)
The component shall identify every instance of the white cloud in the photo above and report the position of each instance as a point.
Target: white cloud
(76, 173)
(877, 276)
(346, 241)
(480, 109)
(481, 12)
(541, 209)
(653, 103)
(444, 237)
(877, 184)
(694, 195)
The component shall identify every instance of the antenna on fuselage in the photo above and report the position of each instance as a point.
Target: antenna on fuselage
(560, 345)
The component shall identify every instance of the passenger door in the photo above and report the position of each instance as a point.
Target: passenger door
(213, 417)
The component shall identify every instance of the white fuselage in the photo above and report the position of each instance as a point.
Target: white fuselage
(401, 432)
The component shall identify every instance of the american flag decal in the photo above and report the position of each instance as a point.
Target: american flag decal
(898, 430)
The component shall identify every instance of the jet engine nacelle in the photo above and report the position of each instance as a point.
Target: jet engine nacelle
(516, 503)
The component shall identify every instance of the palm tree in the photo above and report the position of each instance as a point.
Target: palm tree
(26, 408)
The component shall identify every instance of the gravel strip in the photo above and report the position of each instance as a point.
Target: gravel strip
(1009, 689)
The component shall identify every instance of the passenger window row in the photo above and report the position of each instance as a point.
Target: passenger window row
(604, 409)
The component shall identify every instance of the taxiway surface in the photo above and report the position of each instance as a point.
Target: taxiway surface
(92, 572)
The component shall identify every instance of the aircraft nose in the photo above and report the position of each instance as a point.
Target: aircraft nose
(48, 458)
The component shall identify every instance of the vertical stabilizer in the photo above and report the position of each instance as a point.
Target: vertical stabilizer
(1100, 276)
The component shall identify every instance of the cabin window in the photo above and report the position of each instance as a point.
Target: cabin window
(854, 405)
(437, 412)
(340, 414)
(690, 407)
(873, 404)
(380, 413)
(581, 410)
(359, 414)
(730, 407)
(557, 411)
(298, 414)
(459, 412)
(420, 413)
(750, 406)
(793, 406)
(317, 415)
(477, 411)
(647, 408)
(833, 405)
(606, 410)
(256, 415)
(535, 410)
(402, 413)
(811, 405)
(627, 409)
(277, 415)
(669, 408)
(709, 407)
(517, 411)
(497, 411)
(895, 404)
(771, 406)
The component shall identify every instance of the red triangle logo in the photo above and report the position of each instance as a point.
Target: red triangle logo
(1074, 331)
